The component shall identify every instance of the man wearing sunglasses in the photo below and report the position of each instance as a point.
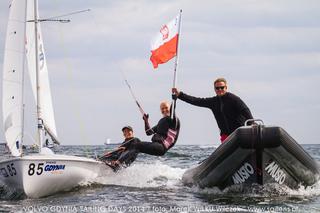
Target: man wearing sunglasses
(228, 109)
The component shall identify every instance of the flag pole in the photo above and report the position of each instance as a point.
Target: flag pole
(176, 66)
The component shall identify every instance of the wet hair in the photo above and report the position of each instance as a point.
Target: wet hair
(220, 80)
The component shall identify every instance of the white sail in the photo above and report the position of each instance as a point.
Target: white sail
(45, 103)
(13, 65)
(17, 174)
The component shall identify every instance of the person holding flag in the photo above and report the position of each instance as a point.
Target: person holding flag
(165, 46)
(165, 134)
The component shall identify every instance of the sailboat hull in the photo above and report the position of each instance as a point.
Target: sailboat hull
(43, 175)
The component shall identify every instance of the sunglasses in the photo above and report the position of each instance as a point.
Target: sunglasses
(220, 88)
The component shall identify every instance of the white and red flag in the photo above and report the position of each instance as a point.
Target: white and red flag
(164, 45)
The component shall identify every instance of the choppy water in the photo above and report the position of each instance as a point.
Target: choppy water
(153, 184)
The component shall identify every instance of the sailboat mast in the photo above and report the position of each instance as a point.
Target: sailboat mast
(40, 121)
(23, 73)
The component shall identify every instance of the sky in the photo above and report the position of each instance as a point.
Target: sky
(268, 50)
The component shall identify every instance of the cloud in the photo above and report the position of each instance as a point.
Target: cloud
(268, 50)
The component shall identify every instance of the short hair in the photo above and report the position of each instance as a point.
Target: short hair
(220, 80)
(165, 102)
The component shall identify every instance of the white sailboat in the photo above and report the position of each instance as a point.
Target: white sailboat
(43, 173)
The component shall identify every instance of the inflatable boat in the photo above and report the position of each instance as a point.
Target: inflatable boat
(255, 154)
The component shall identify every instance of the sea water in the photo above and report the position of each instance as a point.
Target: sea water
(153, 184)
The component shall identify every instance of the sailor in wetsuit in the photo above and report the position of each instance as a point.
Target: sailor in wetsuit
(165, 135)
(122, 155)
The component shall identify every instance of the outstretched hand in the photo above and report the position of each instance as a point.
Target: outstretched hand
(174, 97)
(145, 117)
(121, 148)
(175, 92)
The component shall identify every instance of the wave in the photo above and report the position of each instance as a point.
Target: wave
(177, 155)
(208, 146)
(144, 175)
(272, 191)
(7, 193)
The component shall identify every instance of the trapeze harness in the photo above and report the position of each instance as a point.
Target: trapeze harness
(166, 132)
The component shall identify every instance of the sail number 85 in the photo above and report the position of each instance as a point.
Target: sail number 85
(32, 169)
(8, 170)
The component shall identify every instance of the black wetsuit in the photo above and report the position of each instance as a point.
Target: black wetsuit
(129, 154)
(125, 157)
(165, 135)
(229, 110)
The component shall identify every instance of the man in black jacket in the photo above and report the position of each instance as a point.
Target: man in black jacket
(228, 109)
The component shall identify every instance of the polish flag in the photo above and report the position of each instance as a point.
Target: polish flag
(164, 45)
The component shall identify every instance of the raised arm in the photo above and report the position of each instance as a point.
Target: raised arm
(148, 129)
(201, 102)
